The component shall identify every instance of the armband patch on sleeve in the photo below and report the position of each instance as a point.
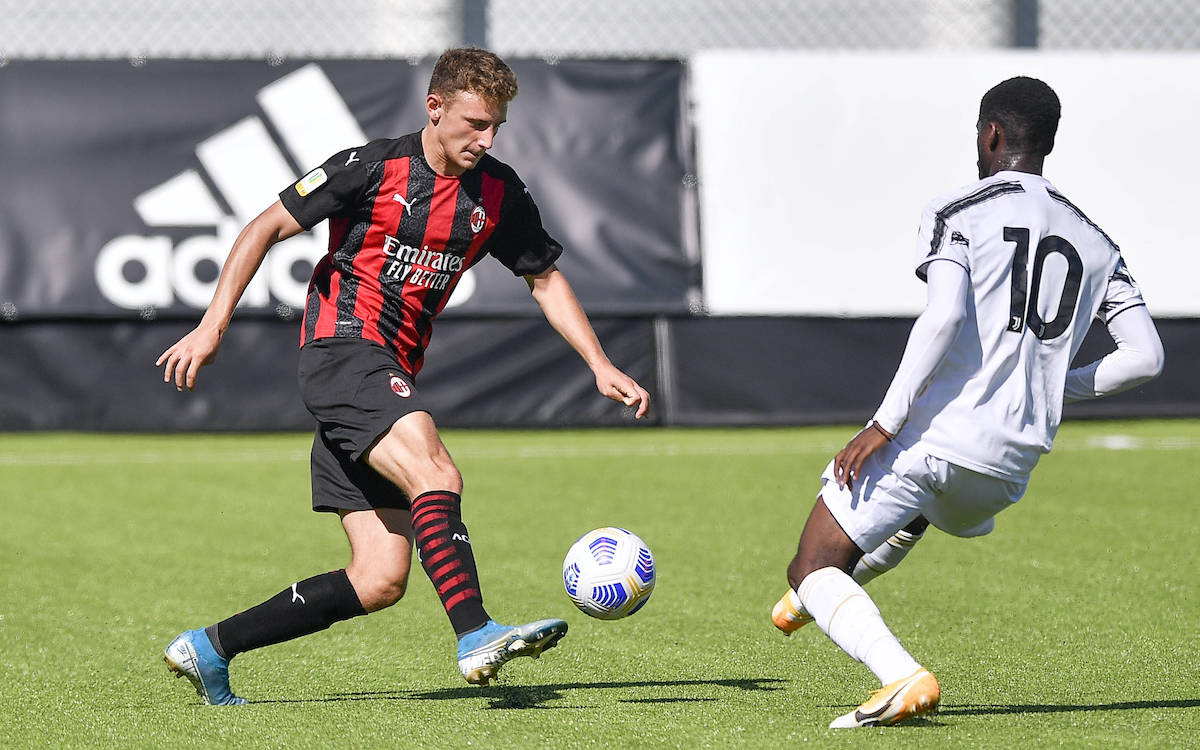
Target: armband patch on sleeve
(311, 181)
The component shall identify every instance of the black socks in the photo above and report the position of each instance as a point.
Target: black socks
(314, 604)
(307, 607)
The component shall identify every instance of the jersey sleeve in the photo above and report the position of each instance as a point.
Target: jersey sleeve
(520, 241)
(1122, 294)
(940, 238)
(932, 335)
(328, 190)
(1137, 359)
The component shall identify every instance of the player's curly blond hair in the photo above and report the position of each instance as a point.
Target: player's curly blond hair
(476, 70)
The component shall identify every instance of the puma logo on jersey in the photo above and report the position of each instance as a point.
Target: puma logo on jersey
(400, 199)
(352, 159)
(461, 538)
(296, 595)
(956, 238)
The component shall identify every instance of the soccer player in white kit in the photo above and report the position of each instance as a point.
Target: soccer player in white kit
(1016, 274)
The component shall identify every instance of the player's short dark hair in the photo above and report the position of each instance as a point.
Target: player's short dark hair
(476, 70)
(1026, 109)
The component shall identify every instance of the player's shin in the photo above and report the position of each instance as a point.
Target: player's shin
(306, 607)
(444, 548)
(844, 611)
(789, 613)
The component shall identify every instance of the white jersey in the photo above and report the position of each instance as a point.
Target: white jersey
(1040, 272)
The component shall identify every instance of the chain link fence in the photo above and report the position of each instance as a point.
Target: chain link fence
(1119, 25)
(137, 29)
(678, 27)
(118, 29)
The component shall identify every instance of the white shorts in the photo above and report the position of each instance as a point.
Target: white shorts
(898, 484)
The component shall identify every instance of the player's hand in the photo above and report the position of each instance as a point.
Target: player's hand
(847, 464)
(618, 386)
(184, 359)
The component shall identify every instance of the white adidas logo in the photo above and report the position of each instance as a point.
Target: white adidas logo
(247, 167)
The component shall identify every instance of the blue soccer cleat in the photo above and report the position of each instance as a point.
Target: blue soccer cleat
(191, 655)
(482, 652)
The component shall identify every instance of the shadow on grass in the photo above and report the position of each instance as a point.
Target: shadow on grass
(1038, 708)
(1035, 708)
(535, 696)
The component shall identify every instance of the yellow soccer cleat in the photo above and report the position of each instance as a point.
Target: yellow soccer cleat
(788, 614)
(915, 695)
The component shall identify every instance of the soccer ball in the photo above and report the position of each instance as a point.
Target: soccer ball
(609, 573)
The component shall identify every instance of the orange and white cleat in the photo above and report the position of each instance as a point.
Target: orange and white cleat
(915, 695)
(788, 613)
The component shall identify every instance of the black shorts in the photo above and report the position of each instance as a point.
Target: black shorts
(356, 391)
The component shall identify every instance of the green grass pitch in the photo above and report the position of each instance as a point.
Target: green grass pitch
(1076, 623)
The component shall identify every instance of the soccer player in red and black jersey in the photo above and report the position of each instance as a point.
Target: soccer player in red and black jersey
(407, 217)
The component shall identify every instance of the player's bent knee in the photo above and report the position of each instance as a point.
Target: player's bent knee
(378, 594)
(378, 588)
(447, 477)
(392, 592)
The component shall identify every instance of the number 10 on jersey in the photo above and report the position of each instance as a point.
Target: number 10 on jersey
(1023, 307)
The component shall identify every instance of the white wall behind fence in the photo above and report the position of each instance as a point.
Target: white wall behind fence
(815, 167)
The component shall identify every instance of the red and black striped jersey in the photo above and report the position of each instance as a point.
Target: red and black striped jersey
(401, 236)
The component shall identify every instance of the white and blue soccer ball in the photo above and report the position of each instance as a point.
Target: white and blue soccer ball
(609, 573)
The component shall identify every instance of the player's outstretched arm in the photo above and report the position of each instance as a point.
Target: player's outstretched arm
(182, 361)
(928, 342)
(1137, 359)
(554, 295)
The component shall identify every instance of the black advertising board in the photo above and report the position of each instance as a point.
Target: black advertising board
(126, 184)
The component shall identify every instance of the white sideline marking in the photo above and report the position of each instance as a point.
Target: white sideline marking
(1113, 442)
(505, 453)
(1119, 442)
(657, 451)
(151, 457)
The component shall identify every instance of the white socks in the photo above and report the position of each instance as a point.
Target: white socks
(878, 561)
(885, 557)
(851, 620)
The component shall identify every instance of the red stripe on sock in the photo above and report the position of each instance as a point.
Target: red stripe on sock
(432, 531)
(429, 513)
(440, 574)
(437, 557)
(423, 529)
(462, 596)
(433, 545)
(432, 497)
(438, 504)
(452, 583)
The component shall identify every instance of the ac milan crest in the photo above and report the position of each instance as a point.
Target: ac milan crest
(400, 388)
